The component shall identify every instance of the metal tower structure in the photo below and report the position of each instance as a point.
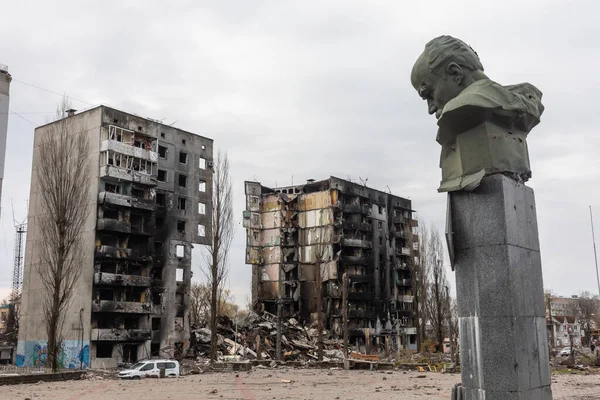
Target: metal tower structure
(17, 281)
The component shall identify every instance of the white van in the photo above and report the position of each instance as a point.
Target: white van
(151, 368)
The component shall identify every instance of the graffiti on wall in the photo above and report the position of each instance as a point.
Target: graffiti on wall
(72, 354)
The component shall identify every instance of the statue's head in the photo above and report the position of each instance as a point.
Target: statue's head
(444, 69)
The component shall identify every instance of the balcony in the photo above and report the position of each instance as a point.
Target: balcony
(121, 334)
(357, 260)
(112, 252)
(406, 299)
(404, 313)
(116, 174)
(129, 307)
(358, 226)
(367, 278)
(104, 278)
(403, 251)
(399, 234)
(143, 229)
(361, 314)
(360, 296)
(114, 225)
(357, 209)
(129, 150)
(365, 244)
(126, 201)
(117, 252)
(398, 219)
(404, 282)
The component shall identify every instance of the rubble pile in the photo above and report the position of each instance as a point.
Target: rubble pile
(253, 331)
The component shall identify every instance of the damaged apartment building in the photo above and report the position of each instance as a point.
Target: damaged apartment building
(150, 199)
(343, 227)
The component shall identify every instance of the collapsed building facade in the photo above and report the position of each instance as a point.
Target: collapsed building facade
(150, 199)
(339, 226)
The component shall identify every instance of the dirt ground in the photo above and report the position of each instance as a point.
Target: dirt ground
(262, 384)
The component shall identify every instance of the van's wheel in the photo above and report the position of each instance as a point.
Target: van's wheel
(137, 378)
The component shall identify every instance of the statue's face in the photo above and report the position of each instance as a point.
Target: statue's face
(437, 88)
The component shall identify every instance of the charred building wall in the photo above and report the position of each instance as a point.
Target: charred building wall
(343, 227)
(150, 200)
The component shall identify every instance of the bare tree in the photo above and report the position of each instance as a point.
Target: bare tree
(453, 330)
(420, 279)
(548, 300)
(437, 301)
(62, 174)
(11, 332)
(200, 301)
(587, 309)
(217, 262)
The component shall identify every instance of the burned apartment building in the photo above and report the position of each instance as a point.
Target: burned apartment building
(342, 227)
(150, 199)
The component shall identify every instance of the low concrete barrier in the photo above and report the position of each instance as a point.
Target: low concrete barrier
(34, 378)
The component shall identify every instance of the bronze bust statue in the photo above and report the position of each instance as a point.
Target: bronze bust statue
(483, 125)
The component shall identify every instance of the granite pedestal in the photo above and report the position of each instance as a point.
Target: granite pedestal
(503, 342)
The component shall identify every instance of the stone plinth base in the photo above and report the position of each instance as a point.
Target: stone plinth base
(503, 343)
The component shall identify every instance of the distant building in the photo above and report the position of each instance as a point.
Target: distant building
(344, 227)
(4, 312)
(150, 200)
(5, 79)
(565, 327)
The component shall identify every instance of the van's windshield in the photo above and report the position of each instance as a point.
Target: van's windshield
(138, 365)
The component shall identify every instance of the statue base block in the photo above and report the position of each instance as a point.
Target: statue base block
(503, 342)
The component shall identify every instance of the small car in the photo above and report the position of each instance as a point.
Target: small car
(151, 368)
(566, 351)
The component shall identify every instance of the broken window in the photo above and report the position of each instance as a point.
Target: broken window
(379, 225)
(181, 203)
(162, 151)
(139, 193)
(106, 294)
(162, 175)
(155, 324)
(158, 248)
(203, 147)
(161, 199)
(201, 230)
(381, 209)
(159, 223)
(179, 277)
(181, 226)
(202, 163)
(183, 141)
(110, 188)
(110, 213)
(381, 240)
(138, 144)
(182, 180)
(183, 157)
(202, 186)
(179, 250)
(201, 208)
(104, 349)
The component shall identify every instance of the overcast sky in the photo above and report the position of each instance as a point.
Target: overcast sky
(309, 89)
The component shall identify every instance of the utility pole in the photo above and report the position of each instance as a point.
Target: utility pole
(595, 254)
(345, 311)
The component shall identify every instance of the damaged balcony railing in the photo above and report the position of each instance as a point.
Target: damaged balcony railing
(121, 334)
